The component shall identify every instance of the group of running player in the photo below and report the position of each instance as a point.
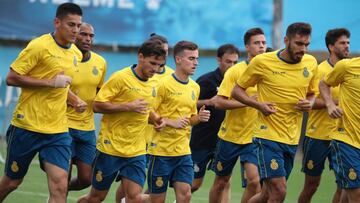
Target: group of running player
(148, 109)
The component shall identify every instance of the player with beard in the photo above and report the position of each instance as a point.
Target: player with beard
(320, 126)
(285, 82)
(87, 80)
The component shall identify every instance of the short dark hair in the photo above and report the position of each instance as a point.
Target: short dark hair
(227, 48)
(334, 34)
(252, 32)
(68, 8)
(269, 49)
(184, 45)
(154, 36)
(152, 48)
(298, 28)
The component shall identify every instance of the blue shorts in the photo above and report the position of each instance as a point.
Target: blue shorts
(23, 145)
(108, 167)
(226, 155)
(203, 160)
(345, 160)
(315, 153)
(163, 170)
(275, 159)
(83, 146)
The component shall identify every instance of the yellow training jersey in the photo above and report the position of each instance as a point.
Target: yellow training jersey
(283, 84)
(123, 133)
(238, 125)
(88, 78)
(320, 125)
(157, 77)
(175, 99)
(43, 109)
(347, 73)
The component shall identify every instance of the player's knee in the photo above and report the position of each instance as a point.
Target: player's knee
(278, 192)
(222, 182)
(58, 185)
(11, 185)
(253, 184)
(185, 196)
(133, 197)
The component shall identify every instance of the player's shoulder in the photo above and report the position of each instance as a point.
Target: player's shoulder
(98, 57)
(41, 41)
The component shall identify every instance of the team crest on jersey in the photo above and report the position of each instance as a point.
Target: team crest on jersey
(263, 127)
(310, 164)
(306, 72)
(99, 176)
(95, 70)
(352, 174)
(274, 165)
(75, 61)
(159, 182)
(153, 93)
(193, 95)
(14, 167)
(219, 166)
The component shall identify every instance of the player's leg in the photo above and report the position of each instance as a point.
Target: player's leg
(22, 145)
(345, 160)
(201, 159)
(249, 171)
(158, 175)
(83, 157)
(133, 176)
(182, 192)
(226, 155)
(55, 158)
(183, 176)
(106, 169)
(315, 153)
(275, 164)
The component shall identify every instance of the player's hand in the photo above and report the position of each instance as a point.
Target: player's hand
(159, 124)
(80, 106)
(303, 105)
(204, 115)
(179, 123)
(60, 80)
(334, 111)
(267, 108)
(138, 106)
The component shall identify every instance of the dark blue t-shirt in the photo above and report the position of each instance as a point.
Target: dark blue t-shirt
(204, 135)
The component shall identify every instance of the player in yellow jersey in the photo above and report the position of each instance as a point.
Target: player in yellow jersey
(204, 137)
(345, 144)
(236, 131)
(320, 126)
(125, 100)
(170, 155)
(163, 71)
(39, 123)
(87, 80)
(285, 82)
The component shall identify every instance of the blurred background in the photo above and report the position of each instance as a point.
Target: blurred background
(122, 25)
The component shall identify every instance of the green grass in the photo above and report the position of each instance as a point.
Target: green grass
(34, 187)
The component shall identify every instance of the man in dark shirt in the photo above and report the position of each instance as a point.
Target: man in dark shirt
(204, 136)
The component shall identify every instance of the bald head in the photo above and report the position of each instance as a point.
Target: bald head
(85, 37)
